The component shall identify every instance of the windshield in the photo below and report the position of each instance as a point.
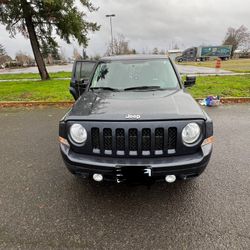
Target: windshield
(134, 75)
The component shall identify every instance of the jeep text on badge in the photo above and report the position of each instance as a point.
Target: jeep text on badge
(133, 117)
(133, 120)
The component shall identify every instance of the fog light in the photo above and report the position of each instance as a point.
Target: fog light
(98, 177)
(170, 178)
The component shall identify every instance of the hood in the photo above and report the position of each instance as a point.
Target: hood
(135, 105)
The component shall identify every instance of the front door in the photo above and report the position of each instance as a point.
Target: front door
(82, 71)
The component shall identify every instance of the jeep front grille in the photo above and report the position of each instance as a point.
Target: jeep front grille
(134, 142)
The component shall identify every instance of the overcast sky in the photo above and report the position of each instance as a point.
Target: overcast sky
(155, 23)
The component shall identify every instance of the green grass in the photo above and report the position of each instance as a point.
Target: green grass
(235, 65)
(224, 86)
(53, 90)
(33, 76)
(57, 90)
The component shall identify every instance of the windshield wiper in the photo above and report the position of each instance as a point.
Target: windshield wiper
(143, 88)
(105, 88)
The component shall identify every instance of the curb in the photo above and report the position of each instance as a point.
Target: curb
(231, 100)
(35, 104)
(228, 100)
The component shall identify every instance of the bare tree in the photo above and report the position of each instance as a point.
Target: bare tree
(63, 55)
(76, 54)
(236, 37)
(4, 58)
(162, 52)
(23, 58)
(176, 46)
(96, 57)
(155, 51)
(2, 50)
(120, 47)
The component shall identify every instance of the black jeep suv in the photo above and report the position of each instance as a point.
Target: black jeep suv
(134, 121)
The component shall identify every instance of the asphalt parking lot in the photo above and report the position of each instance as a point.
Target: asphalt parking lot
(42, 206)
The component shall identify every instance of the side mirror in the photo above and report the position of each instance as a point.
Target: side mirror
(190, 81)
(84, 83)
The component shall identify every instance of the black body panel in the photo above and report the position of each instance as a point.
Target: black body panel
(154, 105)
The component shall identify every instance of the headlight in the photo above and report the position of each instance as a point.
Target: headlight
(78, 133)
(191, 133)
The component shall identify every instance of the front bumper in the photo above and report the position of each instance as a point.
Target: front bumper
(112, 169)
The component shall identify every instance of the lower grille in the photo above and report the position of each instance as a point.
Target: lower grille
(134, 142)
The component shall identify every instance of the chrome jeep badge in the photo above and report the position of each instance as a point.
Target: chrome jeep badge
(129, 116)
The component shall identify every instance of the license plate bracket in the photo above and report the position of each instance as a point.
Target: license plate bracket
(134, 173)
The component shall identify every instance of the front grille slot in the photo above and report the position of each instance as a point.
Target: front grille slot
(172, 138)
(133, 139)
(120, 139)
(107, 139)
(95, 136)
(159, 139)
(146, 139)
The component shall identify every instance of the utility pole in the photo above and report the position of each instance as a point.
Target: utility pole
(111, 29)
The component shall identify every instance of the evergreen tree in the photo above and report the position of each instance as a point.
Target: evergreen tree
(39, 20)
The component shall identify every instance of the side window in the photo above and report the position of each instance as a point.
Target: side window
(83, 70)
(78, 71)
(86, 69)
